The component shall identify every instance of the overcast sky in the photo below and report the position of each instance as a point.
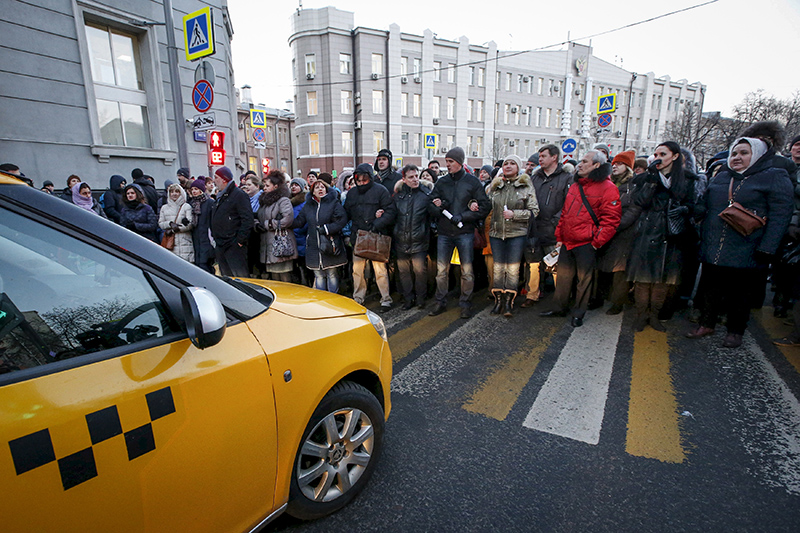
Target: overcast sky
(731, 46)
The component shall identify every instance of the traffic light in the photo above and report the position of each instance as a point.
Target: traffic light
(216, 148)
(265, 165)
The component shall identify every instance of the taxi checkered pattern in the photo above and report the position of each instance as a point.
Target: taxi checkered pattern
(36, 449)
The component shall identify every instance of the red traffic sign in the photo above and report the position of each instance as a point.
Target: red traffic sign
(604, 120)
(259, 135)
(202, 96)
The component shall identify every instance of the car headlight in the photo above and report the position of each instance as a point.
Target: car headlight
(377, 323)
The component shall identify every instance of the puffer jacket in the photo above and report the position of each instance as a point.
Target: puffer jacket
(457, 191)
(141, 218)
(179, 212)
(412, 229)
(576, 226)
(551, 191)
(361, 204)
(763, 188)
(298, 200)
(519, 196)
(275, 211)
(323, 219)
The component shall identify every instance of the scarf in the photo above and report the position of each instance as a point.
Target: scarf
(80, 201)
(758, 147)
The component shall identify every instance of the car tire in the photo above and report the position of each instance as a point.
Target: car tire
(338, 452)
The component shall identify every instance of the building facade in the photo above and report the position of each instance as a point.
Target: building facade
(97, 88)
(358, 90)
(278, 133)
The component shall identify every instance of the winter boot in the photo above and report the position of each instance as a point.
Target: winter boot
(641, 295)
(498, 303)
(657, 299)
(509, 297)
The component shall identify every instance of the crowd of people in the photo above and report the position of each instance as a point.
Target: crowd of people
(653, 232)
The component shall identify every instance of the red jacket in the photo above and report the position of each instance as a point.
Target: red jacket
(576, 227)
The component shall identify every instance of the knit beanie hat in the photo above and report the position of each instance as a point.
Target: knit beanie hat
(183, 171)
(136, 173)
(795, 140)
(626, 158)
(326, 177)
(517, 161)
(602, 147)
(299, 182)
(456, 154)
(534, 159)
(224, 173)
(200, 184)
(487, 168)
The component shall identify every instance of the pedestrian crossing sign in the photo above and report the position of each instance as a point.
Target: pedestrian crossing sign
(430, 141)
(258, 118)
(607, 103)
(198, 34)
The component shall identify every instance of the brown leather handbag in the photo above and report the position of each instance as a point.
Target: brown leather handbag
(743, 220)
(372, 246)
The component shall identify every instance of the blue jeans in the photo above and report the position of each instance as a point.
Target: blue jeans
(444, 251)
(326, 280)
(507, 255)
(418, 263)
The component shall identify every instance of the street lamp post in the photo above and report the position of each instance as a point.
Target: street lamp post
(628, 111)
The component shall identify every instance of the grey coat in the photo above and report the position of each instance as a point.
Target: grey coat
(279, 214)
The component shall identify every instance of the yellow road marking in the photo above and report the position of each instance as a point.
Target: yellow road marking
(776, 329)
(406, 341)
(653, 419)
(496, 396)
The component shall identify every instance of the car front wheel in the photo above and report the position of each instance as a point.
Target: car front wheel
(339, 450)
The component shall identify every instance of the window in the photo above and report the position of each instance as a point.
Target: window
(470, 105)
(404, 104)
(507, 113)
(451, 108)
(472, 75)
(479, 146)
(311, 64)
(479, 111)
(404, 66)
(377, 64)
(497, 81)
(347, 102)
(538, 117)
(313, 143)
(548, 115)
(121, 100)
(270, 134)
(417, 106)
(669, 104)
(68, 298)
(451, 73)
(481, 77)
(344, 63)
(508, 81)
(539, 82)
(437, 71)
(347, 142)
(516, 147)
(377, 102)
(519, 83)
(549, 87)
(311, 102)
(436, 105)
(404, 142)
(530, 85)
(283, 136)
(469, 145)
(527, 146)
(558, 119)
(417, 67)
(377, 141)
(252, 163)
(528, 116)
(496, 112)
(417, 140)
(516, 117)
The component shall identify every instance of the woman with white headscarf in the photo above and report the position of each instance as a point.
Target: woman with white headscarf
(732, 261)
(175, 218)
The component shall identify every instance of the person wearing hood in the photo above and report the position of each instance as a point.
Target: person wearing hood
(175, 219)
(732, 262)
(275, 214)
(412, 231)
(324, 217)
(589, 219)
(298, 192)
(458, 203)
(66, 194)
(147, 186)
(663, 232)
(371, 208)
(513, 206)
(112, 198)
(201, 206)
(383, 170)
(82, 197)
(137, 215)
(612, 259)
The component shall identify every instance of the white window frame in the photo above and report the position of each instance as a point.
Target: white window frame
(345, 62)
(377, 102)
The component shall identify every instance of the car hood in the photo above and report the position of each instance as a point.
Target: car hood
(302, 302)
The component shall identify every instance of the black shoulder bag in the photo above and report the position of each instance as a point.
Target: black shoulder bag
(588, 207)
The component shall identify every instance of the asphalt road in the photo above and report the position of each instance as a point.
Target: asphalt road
(526, 424)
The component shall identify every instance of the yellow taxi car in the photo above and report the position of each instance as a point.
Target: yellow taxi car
(139, 393)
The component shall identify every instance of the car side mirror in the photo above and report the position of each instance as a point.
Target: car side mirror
(204, 315)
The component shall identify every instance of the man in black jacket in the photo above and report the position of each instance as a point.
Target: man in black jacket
(459, 202)
(383, 170)
(371, 208)
(231, 223)
(148, 187)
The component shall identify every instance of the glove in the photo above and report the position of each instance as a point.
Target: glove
(259, 226)
(652, 168)
(185, 221)
(169, 231)
(794, 233)
(174, 227)
(456, 219)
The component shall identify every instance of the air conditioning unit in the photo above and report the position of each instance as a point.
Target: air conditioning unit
(403, 79)
(242, 147)
(514, 109)
(525, 79)
(443, 150)
(512, 143)
(582, 102)
(357, 124)
(577, 92)
(436, 122)
(619, 133)
(357, 100)
(375, 76)
(524, 110)
(417, 79)
(474, 153)
(544, 140)
(309, 76)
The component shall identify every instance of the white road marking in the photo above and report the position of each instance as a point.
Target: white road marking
(573, 399)
(429, 372)
(766, 413)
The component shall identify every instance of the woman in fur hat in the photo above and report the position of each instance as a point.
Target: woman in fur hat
(513, 204)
